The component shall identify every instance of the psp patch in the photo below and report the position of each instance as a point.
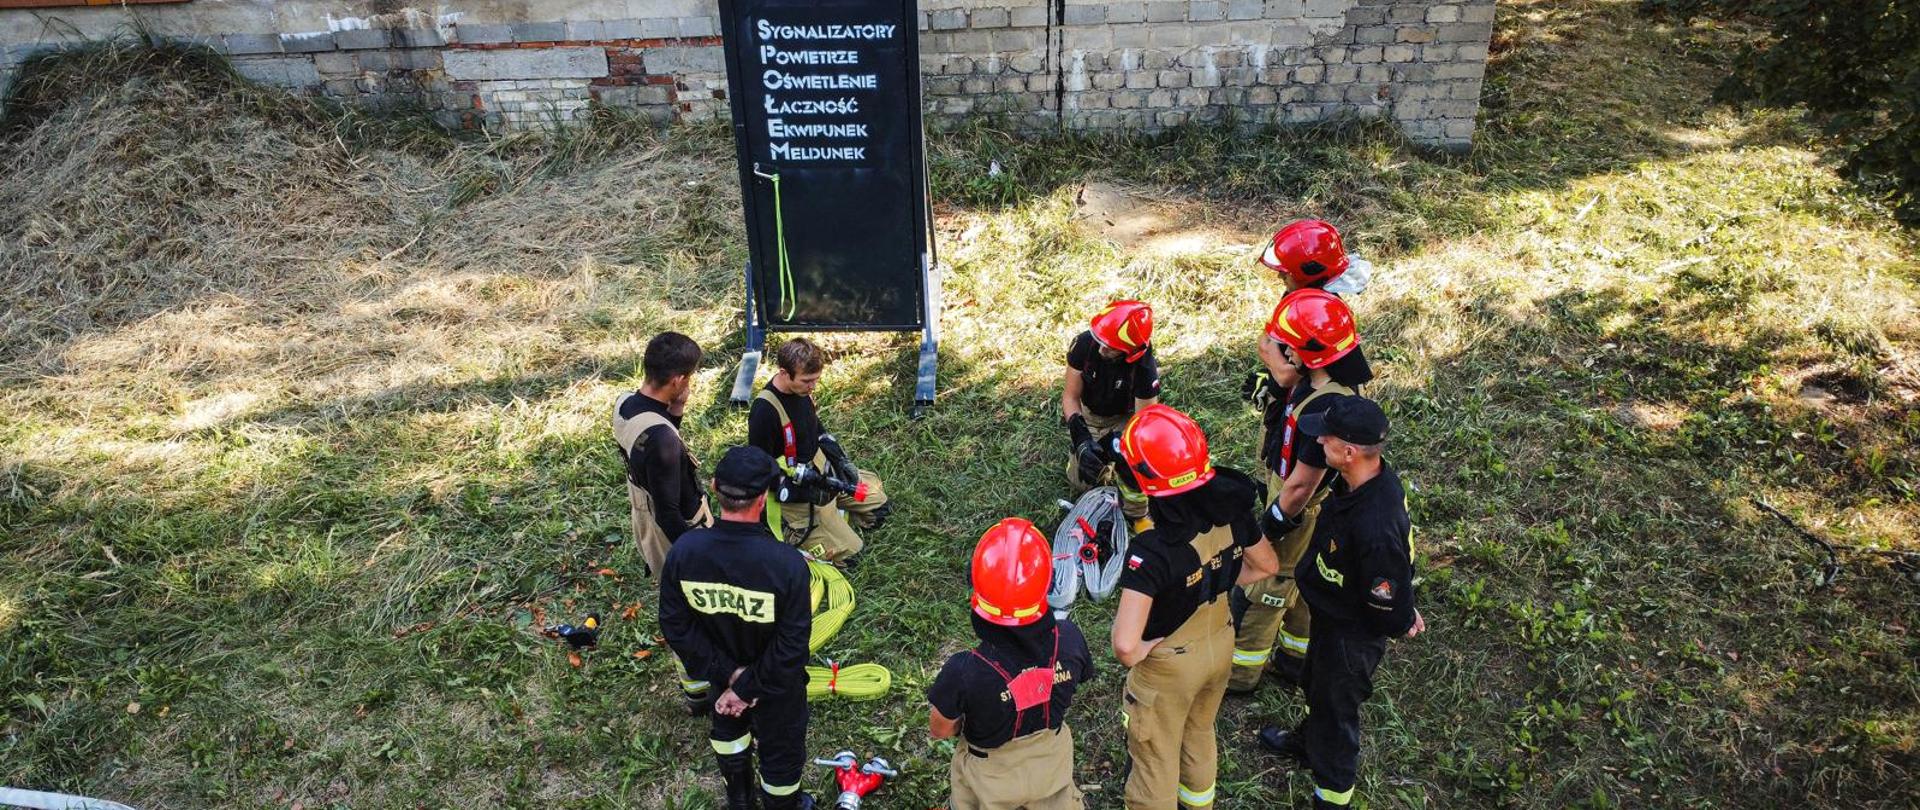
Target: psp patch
(1382, 590)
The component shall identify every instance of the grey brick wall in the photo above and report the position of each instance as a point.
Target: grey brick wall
(1161, 63)
(1123, 65)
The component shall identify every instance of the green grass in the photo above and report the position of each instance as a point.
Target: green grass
(261, 550)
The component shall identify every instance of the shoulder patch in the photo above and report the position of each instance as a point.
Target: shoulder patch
(1382, 590)
(1134, 562)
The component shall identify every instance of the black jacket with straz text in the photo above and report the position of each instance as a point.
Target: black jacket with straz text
(733, 596)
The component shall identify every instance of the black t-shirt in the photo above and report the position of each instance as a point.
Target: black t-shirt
(970, 690)
(664, 468)
(1109, 387)
(763, 426)
(1357, 574)
(1177, 579)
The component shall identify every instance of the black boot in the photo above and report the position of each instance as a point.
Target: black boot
(1285, 742)
(797, 800)
(737, 770)
(1285, 669)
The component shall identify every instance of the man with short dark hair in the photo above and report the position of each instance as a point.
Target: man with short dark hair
(661, 483)
(1357, 578)
(734, 605)
(663, 487)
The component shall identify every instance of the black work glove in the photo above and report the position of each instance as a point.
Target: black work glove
(1276, 524)
(1251, 385)
(1077, 431)
(1092, 461)
(1262, 391)
(843, 468)
(808, 484)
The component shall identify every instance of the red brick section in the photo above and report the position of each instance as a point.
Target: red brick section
(626, 66)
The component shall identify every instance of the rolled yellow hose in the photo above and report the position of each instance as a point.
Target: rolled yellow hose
(827, 584)
(852, 682)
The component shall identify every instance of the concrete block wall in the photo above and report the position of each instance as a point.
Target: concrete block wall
(1132, 65)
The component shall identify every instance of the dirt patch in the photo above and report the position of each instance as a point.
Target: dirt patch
(1153, 223)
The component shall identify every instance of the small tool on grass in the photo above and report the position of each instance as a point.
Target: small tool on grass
(582, 636)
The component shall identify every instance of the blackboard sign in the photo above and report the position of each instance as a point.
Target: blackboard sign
(826, 118)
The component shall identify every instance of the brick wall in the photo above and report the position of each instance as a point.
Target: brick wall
(1084, 66)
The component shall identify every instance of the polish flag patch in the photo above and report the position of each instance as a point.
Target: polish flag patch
(1133, 562)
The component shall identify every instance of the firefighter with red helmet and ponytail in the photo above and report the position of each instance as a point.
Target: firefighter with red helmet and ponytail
(1111, 374)
(1172, 628)
(1008, 696)
(1272, 624)
(1319, 350)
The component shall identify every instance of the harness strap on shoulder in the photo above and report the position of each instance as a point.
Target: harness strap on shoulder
(786, 425)
(1293, 422)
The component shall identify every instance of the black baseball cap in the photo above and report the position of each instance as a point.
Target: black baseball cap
(1353, 419)
(744, 473)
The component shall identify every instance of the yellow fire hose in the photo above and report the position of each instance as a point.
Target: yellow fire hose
(854, 682)
(828, 586)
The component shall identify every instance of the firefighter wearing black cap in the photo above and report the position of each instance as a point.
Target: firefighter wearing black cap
(1009, 695)
(1357, 577)
(784, 423)
(1315, 345)
(1111, 374)
(1172, 628)
(734, 606)
(664, 492)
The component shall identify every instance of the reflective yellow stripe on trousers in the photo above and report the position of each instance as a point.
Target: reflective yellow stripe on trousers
(1196, 798)
(1251, 658)
(779, 790)
(726, 747)
(1293, 643)
(1341, 798)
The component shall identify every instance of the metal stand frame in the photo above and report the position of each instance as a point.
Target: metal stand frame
(749, 356)
(925, 382)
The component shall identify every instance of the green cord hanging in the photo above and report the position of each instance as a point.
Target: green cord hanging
(780, 237)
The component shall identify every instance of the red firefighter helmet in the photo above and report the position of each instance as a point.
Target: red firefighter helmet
(1125, 327)
(1316, 325)
(1166, 451)
(1012, 570)
(1308, 251)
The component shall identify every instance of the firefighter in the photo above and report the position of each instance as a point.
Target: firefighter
(1008, 696)
(1357, 577)
(1318, 347)
(783, 422)
(663, 487)
(1310, 253)
(1172, 628)
(734, 606)
(1111, 374)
